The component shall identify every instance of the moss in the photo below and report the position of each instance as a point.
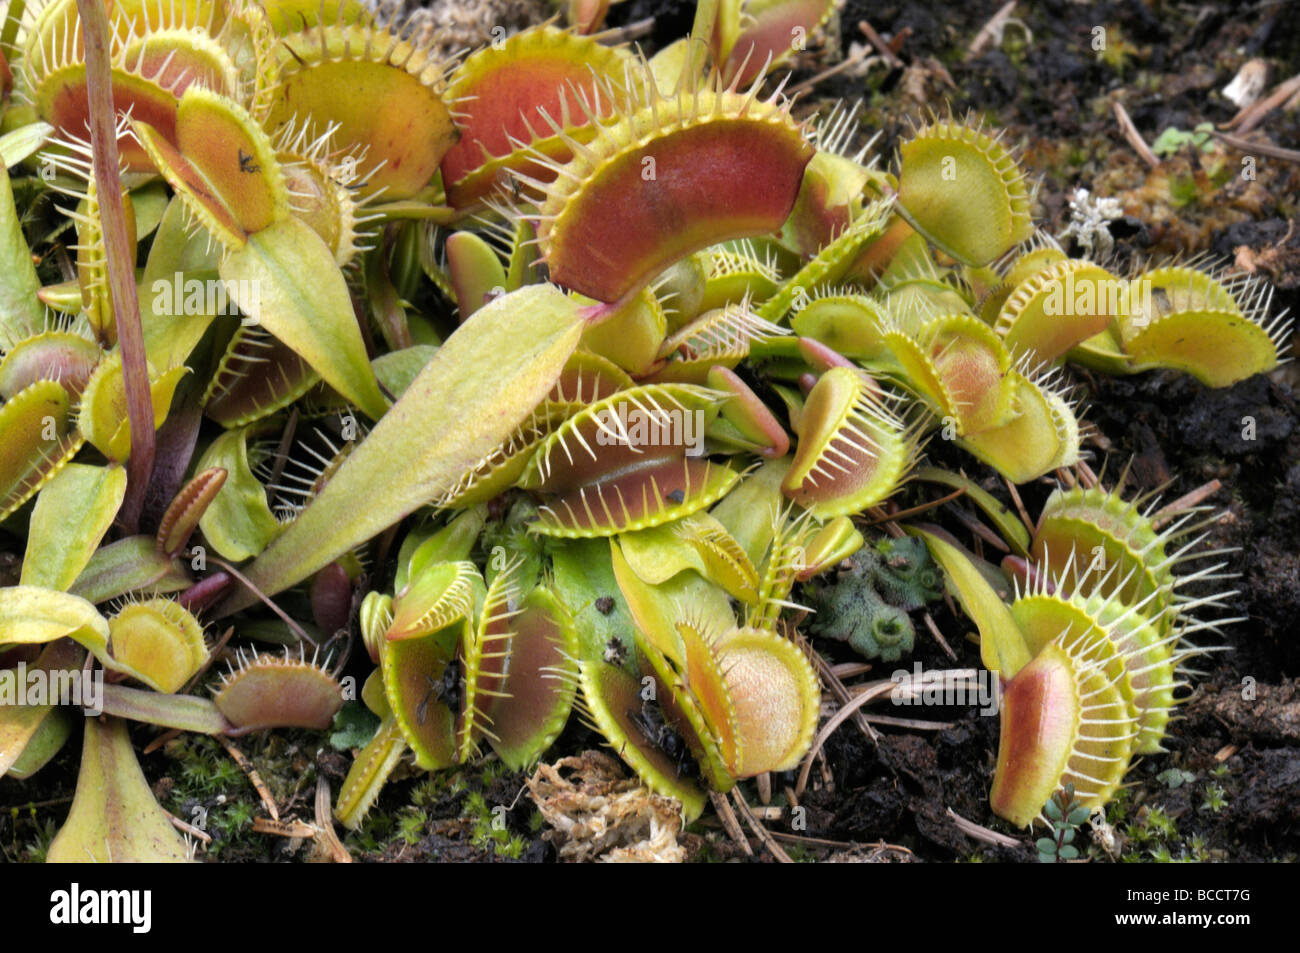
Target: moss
(801, 854)
(203, 769)
(411, 824)
(206, 789)
(31, 833)
(491, 827)
(1215, 800)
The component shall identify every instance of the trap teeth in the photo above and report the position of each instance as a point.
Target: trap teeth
(630, 427)
(729, 163)
(1109, 639)
(853, 451)
(269, 691)
(401, 124)
(983, 218)
(1064, 721)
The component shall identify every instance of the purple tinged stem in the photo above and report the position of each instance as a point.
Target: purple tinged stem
(121, 267)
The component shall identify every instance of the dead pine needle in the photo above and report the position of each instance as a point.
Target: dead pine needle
(1133, 137)
(254, 778)
(759, 830)
(729, 822)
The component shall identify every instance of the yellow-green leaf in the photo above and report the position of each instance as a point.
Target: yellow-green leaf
(21, 313)
(70, 517)
(34, 615)
(20, 724)
(238, 523)
(480, 386)
(285, 278)
(1002, 647)
(178, 254)
(114, 817)
(19, 144)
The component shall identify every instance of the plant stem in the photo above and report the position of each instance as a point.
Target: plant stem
(121, 267)
(13, 19)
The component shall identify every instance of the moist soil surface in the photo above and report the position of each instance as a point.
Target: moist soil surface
(1229, 786)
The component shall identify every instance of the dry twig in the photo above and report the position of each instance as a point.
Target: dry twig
(246, 766)
(981, 833)
(762, 832)
(1133, 136)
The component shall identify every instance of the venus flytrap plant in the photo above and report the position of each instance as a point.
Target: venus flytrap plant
(696, 148)
(492, 665)
(551, 70)
(1092, 654)
(696, 338)
(152, 640)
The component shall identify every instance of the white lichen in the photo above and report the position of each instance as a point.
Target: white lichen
(1089, 218)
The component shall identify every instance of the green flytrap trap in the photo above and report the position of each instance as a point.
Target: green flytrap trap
(700, 345)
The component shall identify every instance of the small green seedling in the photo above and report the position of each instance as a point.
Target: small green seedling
(1066, 815)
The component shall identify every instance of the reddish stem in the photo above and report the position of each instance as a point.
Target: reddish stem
(121, 266)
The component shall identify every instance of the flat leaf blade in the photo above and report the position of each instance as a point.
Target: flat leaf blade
(21, 312)
(34, 615)
(480, 386)
(71, 516)
(1002, 647)
(114, 817)
(286, 279)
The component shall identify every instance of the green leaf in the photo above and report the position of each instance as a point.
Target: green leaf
(480, 386)
(1068, 852)
(656, 610)
(183, 712)
(71, 516)
(178, 254)
(51, 735)
(114, 816)
(286, 279)
(475, 271)
(1045, 845)
(1078, 816)
(585, 582)
(238, 523)
(21, 725)
(659, 553)
(1067, 836)
(1052, 810)
(34, 615)
(150, 203)
(354, 726)
(132, 564)
(1002, 646)
(21, 312)
(20, 144)
(451, 543)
